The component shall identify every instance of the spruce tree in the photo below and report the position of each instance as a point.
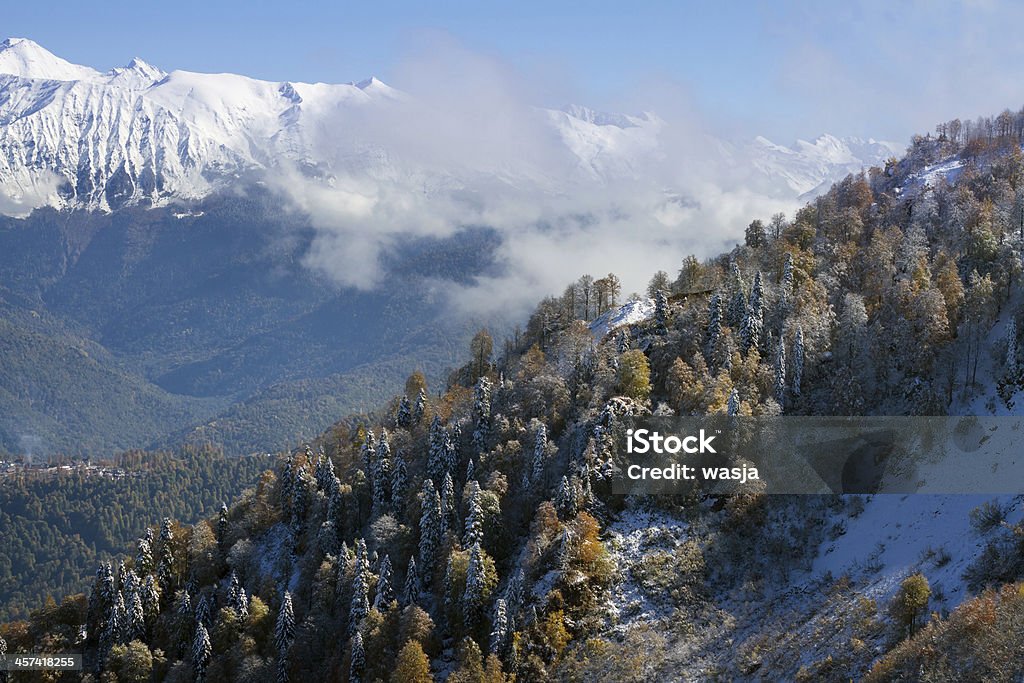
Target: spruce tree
(399, 485)
(202, 652)
(473, 598)
(411, 590)
(360, 606)
(474, 532)
(357, 660)
(437, 465)
(481, 414)
(499, 628)
(714, 336)
(540, 452)
(661, 312)
(381, 475)
(284, 634)
(798, 360)
(737, 297)
(733, 407)
(385, 591)
(165, 563)
(420, 407)
(403, 419)
(222, 527)
(430, 525)
(447, 505)
(780, 374)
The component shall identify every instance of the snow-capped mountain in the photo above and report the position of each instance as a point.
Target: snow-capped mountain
(74, 136)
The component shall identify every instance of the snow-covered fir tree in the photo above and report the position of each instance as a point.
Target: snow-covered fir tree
(474, 532)
(430, 525)
(499, 628)
(284, 633)
(357, 660)
(360, 605)
(399, 484)
(411, 589)
(420, 407)
(403, 418)
(733, 407)
(447, 505)
(385, 591)
(780, 373)
(437, 458)
(714, 335)
(481, 414)
(661, 312)
(473, 598)
(202, 652)
(798, 360)
(540, 453)
(381, 474)
(737, 297)
(165, 563)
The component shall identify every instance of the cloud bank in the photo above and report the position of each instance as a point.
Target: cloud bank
(466, 145)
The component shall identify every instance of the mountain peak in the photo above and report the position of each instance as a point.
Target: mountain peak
(27, 59)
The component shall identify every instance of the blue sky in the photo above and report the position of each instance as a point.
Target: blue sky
(787, 69)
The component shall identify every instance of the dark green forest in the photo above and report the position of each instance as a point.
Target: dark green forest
(55, 526)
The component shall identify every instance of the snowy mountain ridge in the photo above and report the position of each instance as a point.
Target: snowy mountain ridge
(72, 136)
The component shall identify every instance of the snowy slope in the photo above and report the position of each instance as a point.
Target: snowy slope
(629, 313)
(74, 136)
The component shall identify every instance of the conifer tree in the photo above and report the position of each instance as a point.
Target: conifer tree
(150, 594)
(714, 336)
(481, 414)
(144, 554)
(385, 591)
(357, 661)
(733, 407)
(165, 563)
(437, 465)
(381, 471)
(411, 590)
(420, 407)
(368, 450)
(737, 297)
(565, 499)
(222, 526)
(786, 282)
(360, 606)
(474, 532)
(798, 360)
(403, 419)
(540, 448)
(203, 612)
(284, 634)
(499, 628)
(447, 505)
(430, 525)
(661, 312)
(202, 652)
(473, 598)
(399, 485)
(780, 374)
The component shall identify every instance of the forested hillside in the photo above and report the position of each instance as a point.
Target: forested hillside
(473, 536)
(57, 522)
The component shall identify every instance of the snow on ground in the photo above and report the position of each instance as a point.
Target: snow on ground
(629, 313)
(632, 536)
(897, 535)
